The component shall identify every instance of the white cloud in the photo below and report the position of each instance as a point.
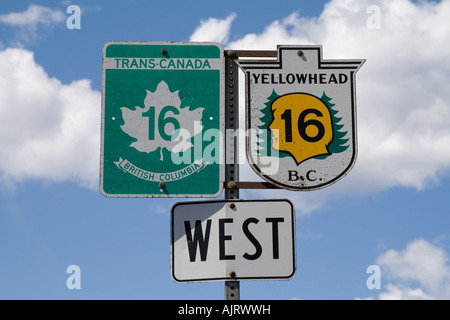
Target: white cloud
(403, 89)
(402, 94)
(26, 23)
(33, 16)
(48, 130)
(396, 293)
(279, 32)
(213, 29)
(420, 271)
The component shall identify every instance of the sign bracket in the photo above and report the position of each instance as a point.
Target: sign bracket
(253, 53)
(231, 119)
(249, 185)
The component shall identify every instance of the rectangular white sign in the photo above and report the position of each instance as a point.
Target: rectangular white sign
(233, 240)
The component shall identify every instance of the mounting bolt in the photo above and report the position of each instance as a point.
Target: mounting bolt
(163, 51)
(232, 274)
(232, 205)
(231, 185)
(299, 53)
(162, 185)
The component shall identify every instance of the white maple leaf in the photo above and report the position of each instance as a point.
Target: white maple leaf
(146, 127)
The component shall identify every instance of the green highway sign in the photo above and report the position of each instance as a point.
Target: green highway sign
(162, 119)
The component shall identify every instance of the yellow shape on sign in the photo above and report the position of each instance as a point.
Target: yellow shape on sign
(301, 126)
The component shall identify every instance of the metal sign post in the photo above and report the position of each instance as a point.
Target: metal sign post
(232, 287)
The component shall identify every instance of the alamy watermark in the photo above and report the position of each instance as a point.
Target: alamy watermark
(374, 280)
(74, 280)
(373, 22)
(74, 20)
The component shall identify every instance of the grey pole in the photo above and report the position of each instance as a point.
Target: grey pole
(232, 291)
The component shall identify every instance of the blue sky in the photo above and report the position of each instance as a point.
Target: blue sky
(391, 210)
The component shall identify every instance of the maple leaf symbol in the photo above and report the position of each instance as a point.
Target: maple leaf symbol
(162, 123)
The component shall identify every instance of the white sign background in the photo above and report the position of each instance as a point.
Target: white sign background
(237, 230)
(264, 77)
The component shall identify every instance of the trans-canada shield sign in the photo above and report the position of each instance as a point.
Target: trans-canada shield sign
(301, 117)
(162, 119)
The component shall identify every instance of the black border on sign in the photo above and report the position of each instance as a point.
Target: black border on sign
(172, 242)
(328, 64)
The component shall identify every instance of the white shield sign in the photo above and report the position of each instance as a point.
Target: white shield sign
(301, 117)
